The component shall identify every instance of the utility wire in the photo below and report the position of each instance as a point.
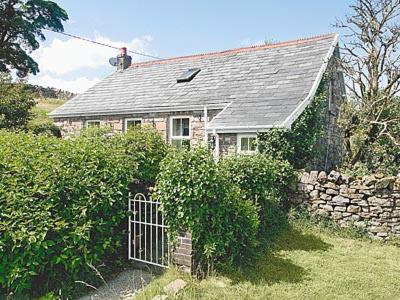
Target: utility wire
(102, 44)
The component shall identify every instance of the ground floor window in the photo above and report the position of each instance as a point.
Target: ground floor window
(247, 143)
(130, 123)
(180, 131)
(92, 123)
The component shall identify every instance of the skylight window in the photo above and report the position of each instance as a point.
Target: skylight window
(188, 75)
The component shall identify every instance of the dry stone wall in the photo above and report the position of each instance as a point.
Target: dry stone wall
(372, 202)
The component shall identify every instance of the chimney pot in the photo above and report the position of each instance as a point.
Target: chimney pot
(124, 60)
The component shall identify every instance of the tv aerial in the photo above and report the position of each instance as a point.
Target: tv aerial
(113, 61)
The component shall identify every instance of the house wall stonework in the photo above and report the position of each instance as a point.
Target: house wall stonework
(371, 202)
(160, 121)
(330, 146)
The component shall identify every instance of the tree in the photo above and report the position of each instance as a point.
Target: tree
(21, 25)
(16, 101)
(371, 61)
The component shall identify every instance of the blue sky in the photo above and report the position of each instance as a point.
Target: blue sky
(171, 28)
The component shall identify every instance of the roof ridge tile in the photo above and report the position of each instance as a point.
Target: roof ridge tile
(235, 50)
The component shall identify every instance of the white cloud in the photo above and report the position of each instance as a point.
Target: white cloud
(62, 57)
(77, 85)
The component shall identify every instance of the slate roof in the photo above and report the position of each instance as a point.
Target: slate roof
(257, 87)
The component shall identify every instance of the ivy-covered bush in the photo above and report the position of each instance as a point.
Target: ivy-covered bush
(63, 203)
(298, 144)
(264, 180)
(149, 148)
(197, 196)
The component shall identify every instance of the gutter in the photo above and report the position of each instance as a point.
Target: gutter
(54, 114)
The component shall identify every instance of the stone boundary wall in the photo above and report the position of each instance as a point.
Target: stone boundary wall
(372, 202)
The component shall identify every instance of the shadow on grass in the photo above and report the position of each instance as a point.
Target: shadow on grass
(272, 267)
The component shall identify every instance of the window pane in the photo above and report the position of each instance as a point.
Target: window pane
(93, 124)
(252, 144)
(176, 127)
(185, 126)
(244, 144)
(180, 127)
(133, 123)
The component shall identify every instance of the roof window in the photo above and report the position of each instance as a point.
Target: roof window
(188, 75)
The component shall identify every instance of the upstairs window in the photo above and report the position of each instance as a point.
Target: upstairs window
(247, 143)
(188, 75)
(130, 123)
(180, 131)
(92, 123)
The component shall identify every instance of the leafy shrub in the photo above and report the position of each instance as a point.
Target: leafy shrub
(196, 196)
(63, 203)
(264, 180)
(147, 145)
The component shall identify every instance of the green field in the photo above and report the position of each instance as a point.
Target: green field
(42, 108)
(305, 263)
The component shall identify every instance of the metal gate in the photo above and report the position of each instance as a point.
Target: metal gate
(148, 238)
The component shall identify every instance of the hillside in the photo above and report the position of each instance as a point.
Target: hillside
(50, 92)
(40, 122)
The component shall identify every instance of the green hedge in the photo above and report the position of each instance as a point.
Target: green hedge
(63, 203)
(264, 180)
(223, 203)
(197, 197)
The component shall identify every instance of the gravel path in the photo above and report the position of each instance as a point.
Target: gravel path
(124, 286)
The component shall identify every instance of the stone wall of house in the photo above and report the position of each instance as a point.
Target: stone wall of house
(330, 149)
(160, 121)
(372, 202)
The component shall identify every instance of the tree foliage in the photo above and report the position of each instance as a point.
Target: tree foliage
(21, 25)
(371, 61)
(16, 101)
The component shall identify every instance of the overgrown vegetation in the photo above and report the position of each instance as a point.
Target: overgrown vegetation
(219, 203)
(197, 197)
(263, 180)
(63, 203)
(371, 61)
(298, 144)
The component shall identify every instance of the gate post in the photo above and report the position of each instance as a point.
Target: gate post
(182, 254)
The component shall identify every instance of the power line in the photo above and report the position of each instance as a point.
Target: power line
(102, 44)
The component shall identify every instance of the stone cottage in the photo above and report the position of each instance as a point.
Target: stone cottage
(225, 97)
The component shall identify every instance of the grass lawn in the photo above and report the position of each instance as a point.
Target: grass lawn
(306, 263)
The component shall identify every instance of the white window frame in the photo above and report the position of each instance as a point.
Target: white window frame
(171, 122)
(87, 122)
(239, 142)
(126, 120)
